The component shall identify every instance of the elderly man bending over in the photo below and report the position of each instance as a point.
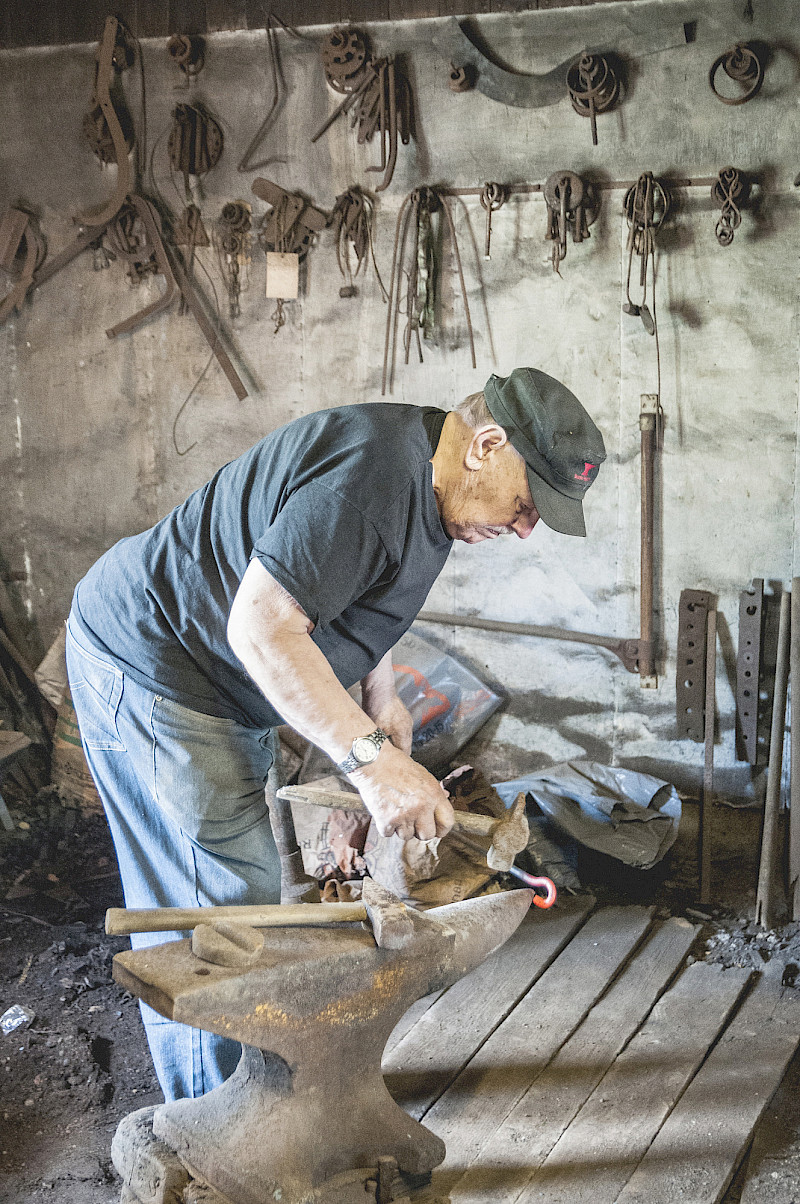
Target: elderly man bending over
(260, 600)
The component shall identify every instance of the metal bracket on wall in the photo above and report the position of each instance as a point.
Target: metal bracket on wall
(748, 670)
(693, 610)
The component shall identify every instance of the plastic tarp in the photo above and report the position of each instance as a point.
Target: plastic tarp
(624, 814)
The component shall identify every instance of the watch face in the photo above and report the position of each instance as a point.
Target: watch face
(365, 750)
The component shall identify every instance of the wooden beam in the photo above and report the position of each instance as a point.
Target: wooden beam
(601, 1149)
(504, 1167)
(422, 1066)
(511, 1060)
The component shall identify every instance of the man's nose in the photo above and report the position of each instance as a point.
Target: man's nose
(524, 524)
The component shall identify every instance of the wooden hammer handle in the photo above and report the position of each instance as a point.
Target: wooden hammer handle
(466, 821)
(122, 921)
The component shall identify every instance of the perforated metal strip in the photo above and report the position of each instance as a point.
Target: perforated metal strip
(748, 669)
(691, 658)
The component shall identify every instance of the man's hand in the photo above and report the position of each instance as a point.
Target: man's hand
(403, 797)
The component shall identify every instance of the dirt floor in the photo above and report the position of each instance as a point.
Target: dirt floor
(81, 1063)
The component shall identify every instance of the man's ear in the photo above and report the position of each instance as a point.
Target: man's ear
(484, 441)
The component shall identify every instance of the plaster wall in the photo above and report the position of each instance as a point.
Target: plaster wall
(86, 446)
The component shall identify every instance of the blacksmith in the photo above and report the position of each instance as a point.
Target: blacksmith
(260, 600)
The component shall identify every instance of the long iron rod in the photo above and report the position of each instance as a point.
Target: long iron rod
(765, 899)
(706, 810)
(647, 422)
(626, 650)
(794, 752)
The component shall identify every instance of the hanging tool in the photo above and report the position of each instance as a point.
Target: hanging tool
(190, 233)
(416, 267)
(111, 140)
(232, 240)
(195, 143)
(286, 232)
(640, 34)
(352, 221)
(279, 92)
(22, 251)
(493, 197)
(594, 87)
(375, 89)
(572, 207)
(646, 205)
(768, 866)
(741, 63)
(188, 53)
(151, 255)
(729, 193)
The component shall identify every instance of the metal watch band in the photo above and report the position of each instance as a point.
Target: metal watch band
(352, 762)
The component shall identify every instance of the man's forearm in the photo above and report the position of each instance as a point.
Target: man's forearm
(297, 680)
(271, 635)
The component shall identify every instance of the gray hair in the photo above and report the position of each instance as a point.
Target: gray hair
(474, 411)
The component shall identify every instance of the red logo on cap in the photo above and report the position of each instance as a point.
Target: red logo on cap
(584, 476)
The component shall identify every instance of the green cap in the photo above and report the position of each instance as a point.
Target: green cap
(556, 438)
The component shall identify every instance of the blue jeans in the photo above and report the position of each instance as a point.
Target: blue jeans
(184, 797)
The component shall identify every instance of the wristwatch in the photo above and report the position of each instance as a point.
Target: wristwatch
(364, 751)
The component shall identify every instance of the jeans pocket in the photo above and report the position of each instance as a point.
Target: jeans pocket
(96, 694)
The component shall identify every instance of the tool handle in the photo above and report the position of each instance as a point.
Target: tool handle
(466, 821)
(121, 921)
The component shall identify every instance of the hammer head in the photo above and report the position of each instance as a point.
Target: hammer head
(509, 836)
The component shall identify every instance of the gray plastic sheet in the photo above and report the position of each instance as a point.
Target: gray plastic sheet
(624, 814)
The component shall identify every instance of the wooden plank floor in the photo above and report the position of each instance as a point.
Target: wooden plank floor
(586, 1061)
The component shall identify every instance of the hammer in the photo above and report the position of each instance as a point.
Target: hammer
(509, 834)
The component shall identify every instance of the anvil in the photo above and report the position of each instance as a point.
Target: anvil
(306, 1116)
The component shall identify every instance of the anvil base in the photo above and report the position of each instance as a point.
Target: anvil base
(153, 1173)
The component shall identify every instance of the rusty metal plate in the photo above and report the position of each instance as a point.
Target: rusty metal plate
(693, 611)
(748, 670)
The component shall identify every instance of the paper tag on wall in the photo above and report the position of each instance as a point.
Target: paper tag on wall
(283, 275)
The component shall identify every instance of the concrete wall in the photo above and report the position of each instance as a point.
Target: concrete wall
(85, 423)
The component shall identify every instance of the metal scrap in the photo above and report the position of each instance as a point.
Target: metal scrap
(415, 273)
(188, 53)
(493, 197)
(646, 205)
(103, 125)
(22, 250)
(352, 222)
(594, 87)
(729, 193)
(572, 207)
(375, 89)
(232, 240)
(741, 63)
(195, 142)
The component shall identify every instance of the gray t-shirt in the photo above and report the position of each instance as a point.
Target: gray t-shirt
(338, 506)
